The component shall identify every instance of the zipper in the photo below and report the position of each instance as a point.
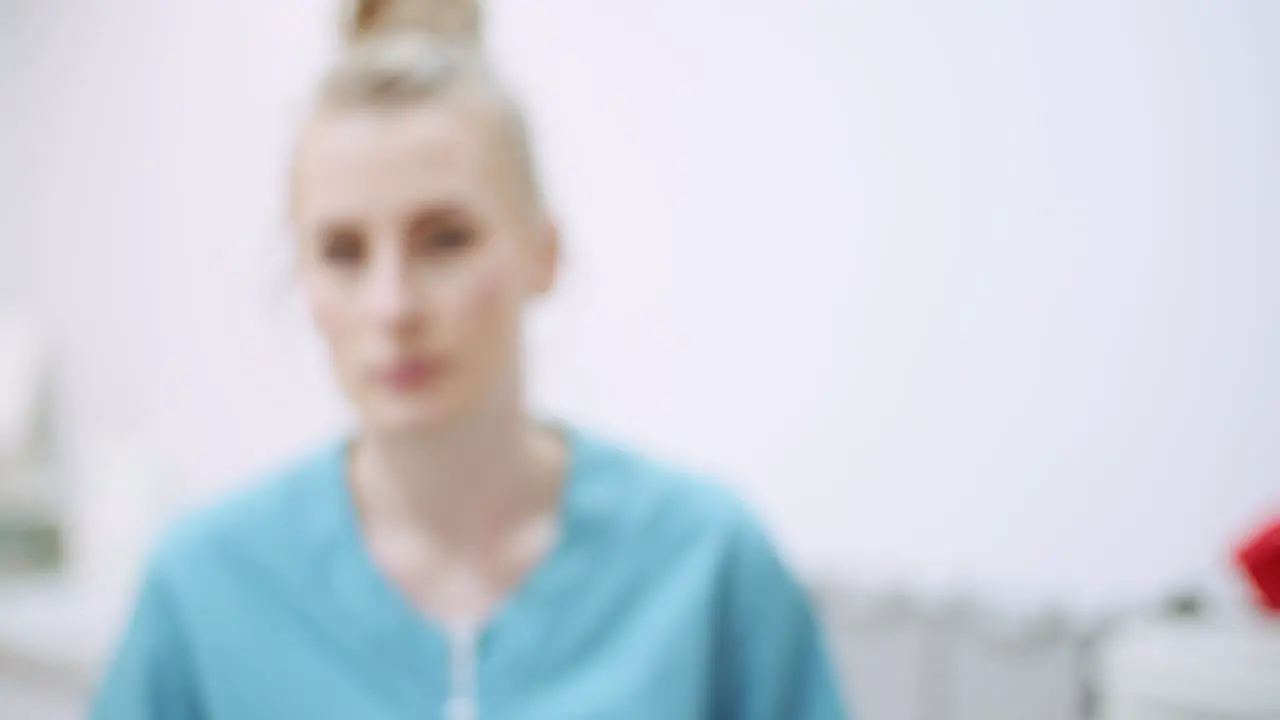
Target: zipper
(464, 671)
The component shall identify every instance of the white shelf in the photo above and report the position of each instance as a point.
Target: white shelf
(47, 628)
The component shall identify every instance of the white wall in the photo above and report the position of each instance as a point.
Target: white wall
(957, 294)
(12, 255)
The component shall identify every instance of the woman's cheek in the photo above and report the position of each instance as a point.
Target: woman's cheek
(332, 314)
(488, 307)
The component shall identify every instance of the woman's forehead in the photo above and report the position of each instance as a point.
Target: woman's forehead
(358, 160)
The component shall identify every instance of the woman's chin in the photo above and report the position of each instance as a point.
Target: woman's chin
(411, 413)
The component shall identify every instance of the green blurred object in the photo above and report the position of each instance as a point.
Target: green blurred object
(31, 542)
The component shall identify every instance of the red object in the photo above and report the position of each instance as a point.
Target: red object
(1259, 556)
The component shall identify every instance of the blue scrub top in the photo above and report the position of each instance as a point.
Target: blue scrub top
(663, 600)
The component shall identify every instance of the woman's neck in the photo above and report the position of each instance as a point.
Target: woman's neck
(461, 486)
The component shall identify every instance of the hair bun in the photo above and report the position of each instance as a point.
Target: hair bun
(451, 20)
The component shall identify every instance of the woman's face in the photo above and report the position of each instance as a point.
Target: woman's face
(419, 247)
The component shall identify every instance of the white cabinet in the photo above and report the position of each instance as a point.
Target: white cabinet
(1193, 670)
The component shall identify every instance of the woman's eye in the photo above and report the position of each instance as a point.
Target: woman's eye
(345, 248)
(442, 240)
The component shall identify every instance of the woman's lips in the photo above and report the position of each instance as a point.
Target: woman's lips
(411, 374)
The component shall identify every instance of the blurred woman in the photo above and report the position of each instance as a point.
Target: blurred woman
(454, 557)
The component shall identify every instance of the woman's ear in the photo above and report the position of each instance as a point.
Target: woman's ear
(544, 257)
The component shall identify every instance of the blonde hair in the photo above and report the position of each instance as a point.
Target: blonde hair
(404, 52)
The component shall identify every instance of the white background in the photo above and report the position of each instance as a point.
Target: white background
(958, 293)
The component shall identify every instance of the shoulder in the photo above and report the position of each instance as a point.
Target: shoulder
(275, 519)
(662, 502)
(666, 521)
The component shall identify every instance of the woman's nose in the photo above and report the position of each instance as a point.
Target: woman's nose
(391, 291)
